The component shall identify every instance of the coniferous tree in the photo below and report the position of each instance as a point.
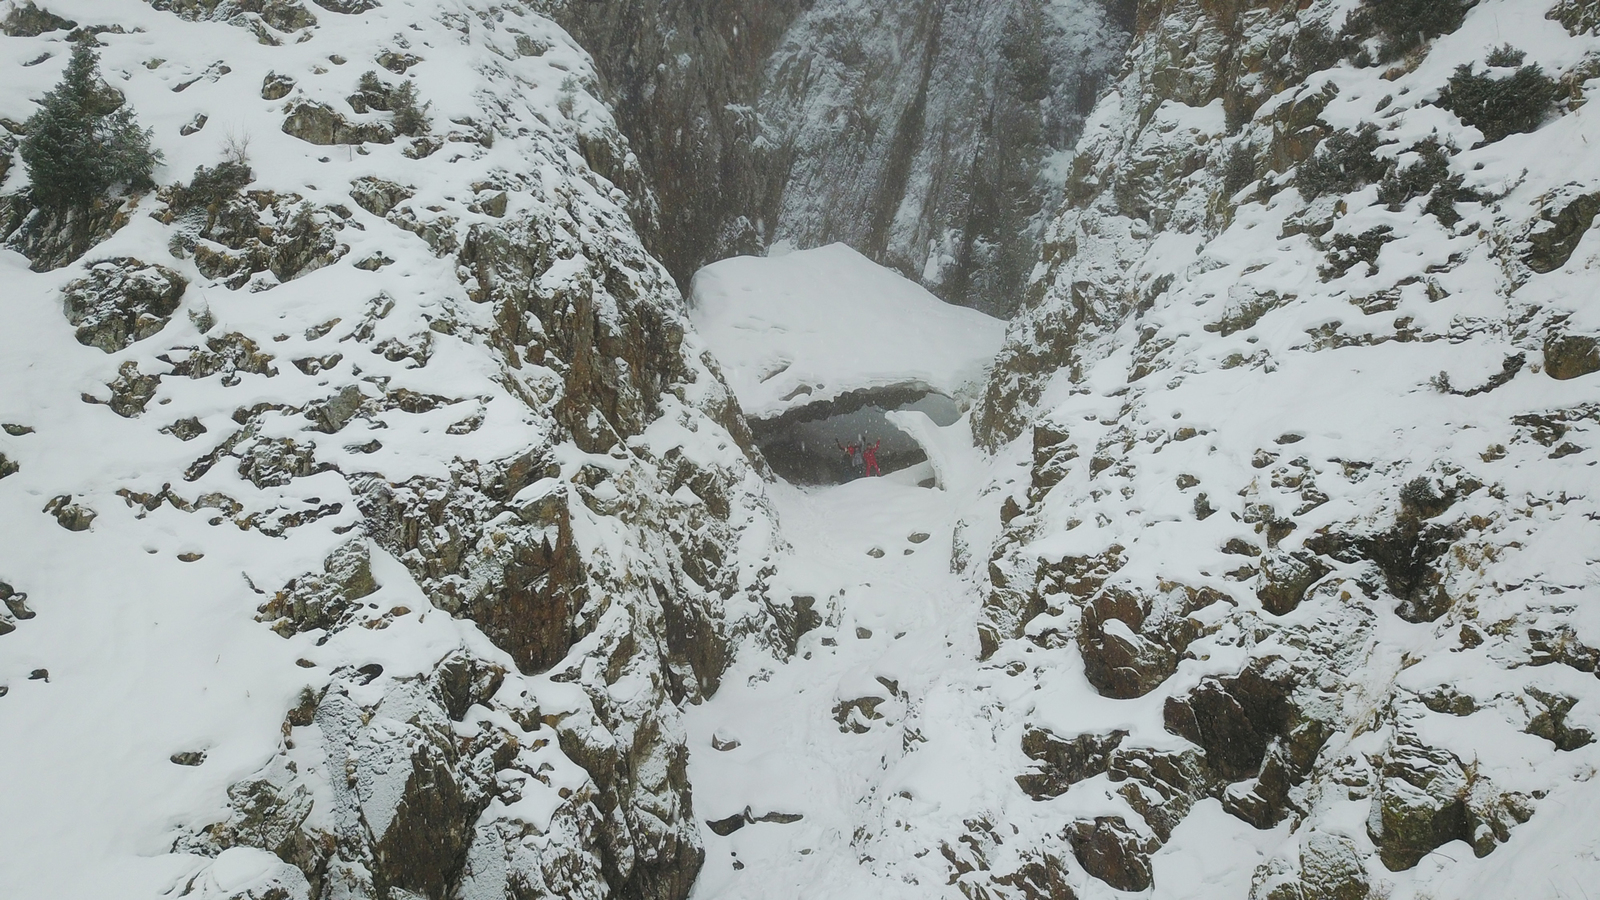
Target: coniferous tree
(410, 118)
(79, 144)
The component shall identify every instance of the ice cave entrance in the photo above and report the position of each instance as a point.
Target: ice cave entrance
(824, 346)
(803, 447)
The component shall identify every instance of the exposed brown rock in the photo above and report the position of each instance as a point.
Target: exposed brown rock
(1110, 850)
(1569, 356)
(28, 20)
(69, 515)
(121, 301)
(1062, 763)
(318, 123)
(1557, 232)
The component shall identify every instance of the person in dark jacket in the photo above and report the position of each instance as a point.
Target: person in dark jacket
(854, 463)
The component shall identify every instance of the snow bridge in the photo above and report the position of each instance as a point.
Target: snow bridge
(824, 347)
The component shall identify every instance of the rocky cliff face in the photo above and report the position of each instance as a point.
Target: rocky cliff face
(423, 385)
(1302, 443)
(373, 516)
(932, 136)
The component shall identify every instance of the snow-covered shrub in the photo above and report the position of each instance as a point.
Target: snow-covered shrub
(1349, 249)
(1345, 161)
(1239, 169)
(82, 141)
(213, 185)
(1504, 56)
(1418, 496)
(372, 91)
(1311, 48)
(410, 117)
(1428, 177)
(1504, 104)
(1403, 25)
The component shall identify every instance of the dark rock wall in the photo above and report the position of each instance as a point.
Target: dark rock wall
(926, 133)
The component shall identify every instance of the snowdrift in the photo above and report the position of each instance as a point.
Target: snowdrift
(814, 325)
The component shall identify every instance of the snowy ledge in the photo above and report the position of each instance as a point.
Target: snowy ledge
(822, 346)
(827, 329)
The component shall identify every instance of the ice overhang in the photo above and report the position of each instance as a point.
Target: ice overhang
(824, 346)
(819, 332)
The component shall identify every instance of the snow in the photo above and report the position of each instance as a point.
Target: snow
(150, 655)
(810, 325)
(1250, 416)
(147, 621)
(793, 756)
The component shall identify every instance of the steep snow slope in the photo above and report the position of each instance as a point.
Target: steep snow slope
(798, 767)
(1309, 481)
(366, 515)
(1287, 549)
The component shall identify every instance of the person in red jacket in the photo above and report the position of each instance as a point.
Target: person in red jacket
(870, 456)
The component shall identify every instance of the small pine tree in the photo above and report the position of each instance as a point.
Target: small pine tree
(409, 118)
(77, 147)
(1429, 176)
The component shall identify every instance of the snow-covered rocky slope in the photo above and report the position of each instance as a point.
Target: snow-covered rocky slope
(366, 516)
(1306, 483)
(376, 526)
(1281, 579)
(931, 135)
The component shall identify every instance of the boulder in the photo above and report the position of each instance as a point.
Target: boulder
(1285, 578)
(28, 20)
(275, 86)
(1162, 786)
(227, 354)
(1120, 662)
(347, 7)
(1550, 722)
(132, 391)
(377, 196)
(121, 301)
(1234, 719)
(69, 515)
(1061, 763)
(1110, 850)
(54, 237)
(1420, 804)
(1557, 232)
(283, 15)
(1568, 356)
(16, 602)
(327, 600)
(318, 123)
(238, 236)
(1331, 868)
(1131, 640)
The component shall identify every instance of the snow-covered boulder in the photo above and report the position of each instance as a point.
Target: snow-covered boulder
(814, 326)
